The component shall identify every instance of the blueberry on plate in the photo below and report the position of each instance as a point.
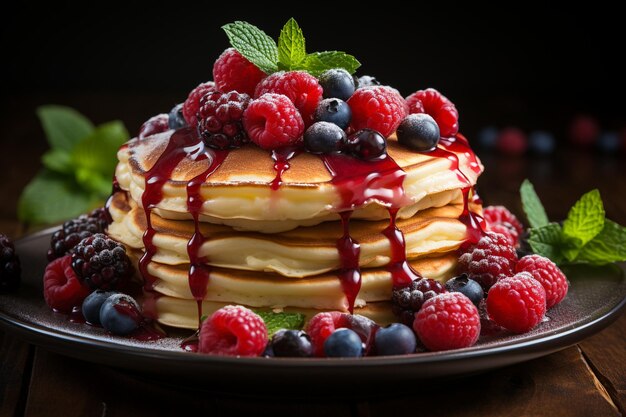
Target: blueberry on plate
(419, 132)
(343, 343)
(324, 137)
(468, 287)
(334, 110)
(291, 343)
(337, 83)
(120, 314)
(175, 119)
(395, 339)
(366, 144)
(93, 303)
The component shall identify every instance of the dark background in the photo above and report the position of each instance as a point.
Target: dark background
(535, 66)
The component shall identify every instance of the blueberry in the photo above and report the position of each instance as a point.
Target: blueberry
(468, 287)
(541, 142)
(488, 137)
(337, 83)
(395, 339)
(367, 144)
(367, 81)
(609, 142)
(343, 343)
(291, 343)
(419, 132)
(93, 303)
(175, 119)
(324, 137)
(334, 110)
(120, 314)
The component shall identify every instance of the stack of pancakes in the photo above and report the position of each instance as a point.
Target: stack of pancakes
(277, 248)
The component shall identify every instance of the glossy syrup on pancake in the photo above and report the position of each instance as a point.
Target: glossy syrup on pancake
(281, 158)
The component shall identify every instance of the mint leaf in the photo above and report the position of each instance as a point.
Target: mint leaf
(64, 127)
(276, 321)
(584, 221)
(608, 246)
(58, 160)
(547, 241)
(50, 198)
(291, 45)
(318, 62)
(253, 44)
(535, 213)
(97, 151)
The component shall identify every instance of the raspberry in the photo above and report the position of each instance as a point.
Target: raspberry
(61, 288)
(75, 230)
(233, 331)
(302, 88)
(447, 321)
(507, 230)
(232, 71)
(512, 141)
(272, 121)
(548, 274)
(323, 325)
(220, 119)
(10, 268)
(584, 130)
(154, 125)
(491, 259)
(101, 263)
(500, 214)
(517, 303)
(407, 301)
(432, 102)
(379, 108)
(192, 104)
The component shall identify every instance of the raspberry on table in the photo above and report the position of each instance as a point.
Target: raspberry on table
(101, 263)
(220, 119)
(549, 275)
(192, 104)
(447, 321)
(300, 87)
(407, 301)
(272, 121)
(321, 326)
(438, 106)
(233, 331)
(517, 303)
(73, 231)
(491, 259)
(61, 288)
(379, 108)
(512, 141)
(231, 71)
(10, 268)
(154, 125)
(500, 220)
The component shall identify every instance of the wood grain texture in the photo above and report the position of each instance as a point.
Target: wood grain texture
(14, 374)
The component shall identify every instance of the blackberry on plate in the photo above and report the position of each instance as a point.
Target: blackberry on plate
(220, 119)
(75, 230)
(10, 269)
(101, 263)
(407, 301)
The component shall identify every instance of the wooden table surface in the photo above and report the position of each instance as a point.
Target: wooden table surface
(588, 379)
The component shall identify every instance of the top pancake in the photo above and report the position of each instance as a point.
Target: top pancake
(238, 193)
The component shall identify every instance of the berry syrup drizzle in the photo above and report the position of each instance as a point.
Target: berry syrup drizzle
(281, 158)
(184, 143)
(360, 182)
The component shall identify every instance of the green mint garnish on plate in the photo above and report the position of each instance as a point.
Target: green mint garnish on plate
(276, 321)
(586, 235)
(290, 52)
(77, 169)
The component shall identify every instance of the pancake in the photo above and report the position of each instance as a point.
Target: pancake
(237, 193)
(259, 289)
(303, 252)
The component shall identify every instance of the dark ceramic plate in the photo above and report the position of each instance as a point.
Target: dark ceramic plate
(596, 298)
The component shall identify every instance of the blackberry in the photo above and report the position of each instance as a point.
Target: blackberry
(101, 263)
(220, 118)
(10, 269)
(75, 230)
(407, 301)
